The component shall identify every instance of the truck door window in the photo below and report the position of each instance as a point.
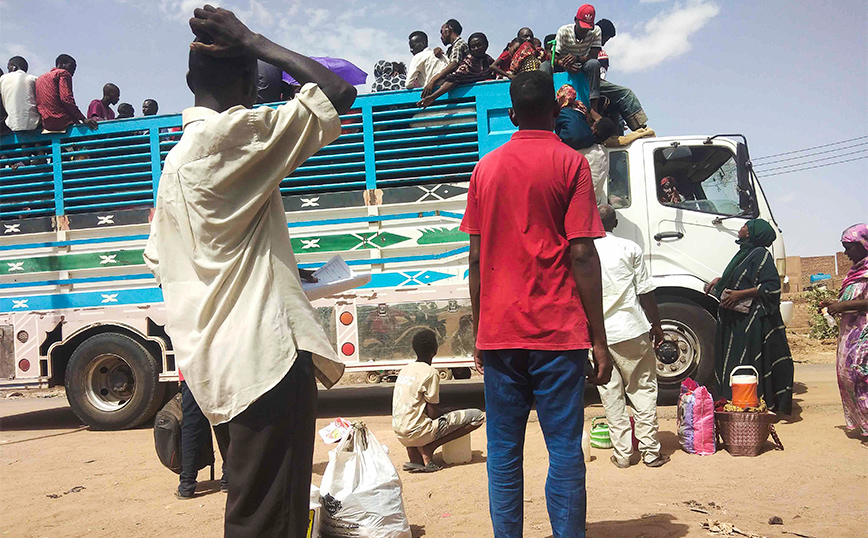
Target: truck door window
(700, 178)
(619, 180)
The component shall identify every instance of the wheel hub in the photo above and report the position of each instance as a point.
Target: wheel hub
(109, 382)
(679, 355)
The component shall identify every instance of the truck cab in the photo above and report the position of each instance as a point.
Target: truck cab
(687, 243)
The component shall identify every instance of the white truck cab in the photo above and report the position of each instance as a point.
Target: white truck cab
(689, 243)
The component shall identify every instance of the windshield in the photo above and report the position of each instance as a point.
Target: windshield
(701, 178)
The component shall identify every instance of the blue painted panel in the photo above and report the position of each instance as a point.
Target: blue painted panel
(81, 300)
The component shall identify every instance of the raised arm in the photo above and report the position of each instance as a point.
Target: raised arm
(232, 38)
(586, 272)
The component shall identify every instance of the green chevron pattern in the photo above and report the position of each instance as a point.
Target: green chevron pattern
(69, 262)
(433, 236)
(355, 241)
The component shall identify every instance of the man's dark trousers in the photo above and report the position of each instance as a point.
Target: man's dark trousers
(195, 431)
(555, 380)
(270, 459)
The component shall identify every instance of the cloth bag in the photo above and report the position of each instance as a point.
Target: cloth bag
(361, 490)
(167, 438)
(696, 419)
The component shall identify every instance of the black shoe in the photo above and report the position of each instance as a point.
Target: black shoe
(183, 496)
(618, 464)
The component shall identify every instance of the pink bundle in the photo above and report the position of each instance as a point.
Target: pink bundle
(696, 419)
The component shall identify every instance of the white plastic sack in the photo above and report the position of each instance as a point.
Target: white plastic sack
(361, 491)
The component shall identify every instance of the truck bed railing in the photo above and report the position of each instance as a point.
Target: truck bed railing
(386, 141)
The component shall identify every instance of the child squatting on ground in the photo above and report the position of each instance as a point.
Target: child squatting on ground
(417, 418)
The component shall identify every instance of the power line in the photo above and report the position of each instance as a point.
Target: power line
(809, 149)
(815, 160)
(812, 154)
(817, 166)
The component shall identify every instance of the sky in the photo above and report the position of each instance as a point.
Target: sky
(787, 74)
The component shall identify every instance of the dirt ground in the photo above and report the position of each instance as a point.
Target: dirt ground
(58, 479)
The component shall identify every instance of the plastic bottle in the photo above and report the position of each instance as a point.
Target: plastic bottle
(830, 321)
(586, 445)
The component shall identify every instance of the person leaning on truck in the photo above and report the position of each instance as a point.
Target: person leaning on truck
(245, 335)
(456, 50)
(18, 91)
(54, 99)
(537, 305)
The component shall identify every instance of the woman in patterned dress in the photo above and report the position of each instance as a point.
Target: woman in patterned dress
(852, 306)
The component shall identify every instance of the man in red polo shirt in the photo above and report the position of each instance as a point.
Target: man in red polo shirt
(54, 99)
(536, 291)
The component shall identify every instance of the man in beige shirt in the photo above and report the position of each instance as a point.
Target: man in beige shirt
(419, 422)
(244, 333)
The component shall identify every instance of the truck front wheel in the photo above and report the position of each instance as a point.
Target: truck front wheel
(112, 382)
(689, 349)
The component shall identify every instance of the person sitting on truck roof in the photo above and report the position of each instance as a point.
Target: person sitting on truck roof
(125, 110)
(456, 51)
(633, 331)
(150, 107)
(18, 93)
(419, 422)
(426, 63)
(475, 67)
(607, 32)
(502, 63)
(578, 48)
(548, 45)
(101, 108)
(54, 99)
(219, 248)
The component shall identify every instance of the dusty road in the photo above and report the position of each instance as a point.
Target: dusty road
(57, 480)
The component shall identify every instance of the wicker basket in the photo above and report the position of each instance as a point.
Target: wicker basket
(744, 434)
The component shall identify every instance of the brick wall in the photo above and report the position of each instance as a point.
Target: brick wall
(817, 264)
(800, 269)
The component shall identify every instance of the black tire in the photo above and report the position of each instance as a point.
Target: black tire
(461, 373)
(112, 382)
(691, 323)
(444, 373)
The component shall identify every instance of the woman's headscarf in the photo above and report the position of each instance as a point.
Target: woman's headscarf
(567, 98)
(760, 234)
(858, 233)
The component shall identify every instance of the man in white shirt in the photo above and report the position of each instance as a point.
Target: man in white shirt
(18, 90)
(426, 63)
(245, 335)
(627, 292)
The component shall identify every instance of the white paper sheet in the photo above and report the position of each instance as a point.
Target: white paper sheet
(332, 278)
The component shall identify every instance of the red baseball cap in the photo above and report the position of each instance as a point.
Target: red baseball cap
(585, 15)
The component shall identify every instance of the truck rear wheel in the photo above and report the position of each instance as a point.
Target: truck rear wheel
(112, 382)
(461, 373)
(689, 350)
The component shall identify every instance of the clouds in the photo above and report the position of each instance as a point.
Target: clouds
(36, 64)
(663, 38)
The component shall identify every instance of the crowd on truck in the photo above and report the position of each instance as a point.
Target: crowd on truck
(548, 279)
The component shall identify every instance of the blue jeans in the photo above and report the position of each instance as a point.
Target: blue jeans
(555, 380)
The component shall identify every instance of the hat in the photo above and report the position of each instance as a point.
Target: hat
(585, 15)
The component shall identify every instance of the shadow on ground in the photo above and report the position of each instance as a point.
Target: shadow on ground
(376, 400)
(56, 418)
(647, 526)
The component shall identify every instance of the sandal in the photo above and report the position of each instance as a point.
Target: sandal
(430, 468)
(659, 461)
(411, 467)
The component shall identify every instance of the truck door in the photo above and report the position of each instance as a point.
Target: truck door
(694, 221)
